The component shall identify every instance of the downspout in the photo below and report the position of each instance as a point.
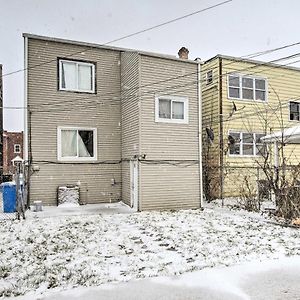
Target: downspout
(200, 132)
(25, 142)
(221, 132)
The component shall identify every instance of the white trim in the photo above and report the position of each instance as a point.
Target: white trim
(240, 132)
(26, 112)
(77, 63)
(290, 110)
(185, 102)
(240, 88)
(15, 146)
(76, 159)
(212, 77)
(134, 184)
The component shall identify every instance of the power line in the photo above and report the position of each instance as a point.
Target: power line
(127, 36)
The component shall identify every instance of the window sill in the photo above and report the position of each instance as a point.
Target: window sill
(77, 91)
(171, 121)
(248, 100)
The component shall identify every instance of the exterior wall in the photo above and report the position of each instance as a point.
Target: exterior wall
(163, 184)
(9, 140)
(211, 120)
(283, 85)
(51, 108)
(130, 80)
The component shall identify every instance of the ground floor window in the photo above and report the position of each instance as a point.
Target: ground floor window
(245, 144)
(77, 143)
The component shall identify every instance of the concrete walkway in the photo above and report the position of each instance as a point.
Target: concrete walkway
(88, 209)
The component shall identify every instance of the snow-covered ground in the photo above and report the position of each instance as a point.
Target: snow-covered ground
(70, 251)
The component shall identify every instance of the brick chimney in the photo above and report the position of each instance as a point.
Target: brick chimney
(183, 53)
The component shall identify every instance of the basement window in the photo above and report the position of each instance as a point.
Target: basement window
(245, 144)
(17, 148)
(171, 109)
(294, 111)
(76, 76)
(77, 144)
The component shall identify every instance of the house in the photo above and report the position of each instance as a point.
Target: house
(121, 124)
(1, 124)
(244, 100)
(12, 148)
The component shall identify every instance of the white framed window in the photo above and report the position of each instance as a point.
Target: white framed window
(294, 108)
(76, 144)
(209, 77)
(76, 76)
(246, 87)
(17, 148)
(171, 109)
(245, 144)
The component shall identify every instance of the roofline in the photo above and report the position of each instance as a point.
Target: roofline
(106, 47)
(252, 61)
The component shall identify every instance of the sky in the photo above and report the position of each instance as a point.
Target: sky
(237, 28)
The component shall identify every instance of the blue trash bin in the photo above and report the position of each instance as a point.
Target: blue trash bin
(9, 197)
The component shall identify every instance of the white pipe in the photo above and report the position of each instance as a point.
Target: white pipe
(200, 131)
(25, 135)
(276, 155)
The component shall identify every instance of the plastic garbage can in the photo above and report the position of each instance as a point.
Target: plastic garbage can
(9, 197)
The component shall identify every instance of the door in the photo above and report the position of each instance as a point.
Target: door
(134, 184)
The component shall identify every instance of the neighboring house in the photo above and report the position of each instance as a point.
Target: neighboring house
(122, 124)
(1, 124)
(244, 100)
(12, 148)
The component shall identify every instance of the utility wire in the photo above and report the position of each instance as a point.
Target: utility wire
(126, 36)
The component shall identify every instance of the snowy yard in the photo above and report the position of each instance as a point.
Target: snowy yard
(68, 251)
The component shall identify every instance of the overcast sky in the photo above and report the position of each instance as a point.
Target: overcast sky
(237, 28)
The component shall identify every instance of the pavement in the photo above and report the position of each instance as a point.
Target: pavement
(80, 210)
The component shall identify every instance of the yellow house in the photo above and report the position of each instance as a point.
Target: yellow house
(243, 100)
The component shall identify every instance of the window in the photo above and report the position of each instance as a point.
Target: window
(76, 76)
(246, 88)
(77, 143)
(209, 77)
(245, 144)
(294, 111)
(171, 109)
(17, 148)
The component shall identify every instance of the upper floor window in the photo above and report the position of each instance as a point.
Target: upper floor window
(245, 144)
(17, 148)
(247, 88)
(77, 143)
(171, 109)
(209, 77)
(294, 111)
(76, 76)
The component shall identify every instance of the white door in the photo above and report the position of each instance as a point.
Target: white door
(134, 184)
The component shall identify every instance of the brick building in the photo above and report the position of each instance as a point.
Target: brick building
(12, 147)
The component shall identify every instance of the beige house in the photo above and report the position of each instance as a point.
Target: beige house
(244, 100)
(121, 124)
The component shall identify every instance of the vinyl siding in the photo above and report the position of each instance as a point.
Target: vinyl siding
(165, 186)
(211, 120)
(130, 76)
(259, 117)
(52, 108)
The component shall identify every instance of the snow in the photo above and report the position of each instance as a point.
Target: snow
(67, 251)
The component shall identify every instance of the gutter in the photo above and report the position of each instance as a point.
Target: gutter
(200, 131)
